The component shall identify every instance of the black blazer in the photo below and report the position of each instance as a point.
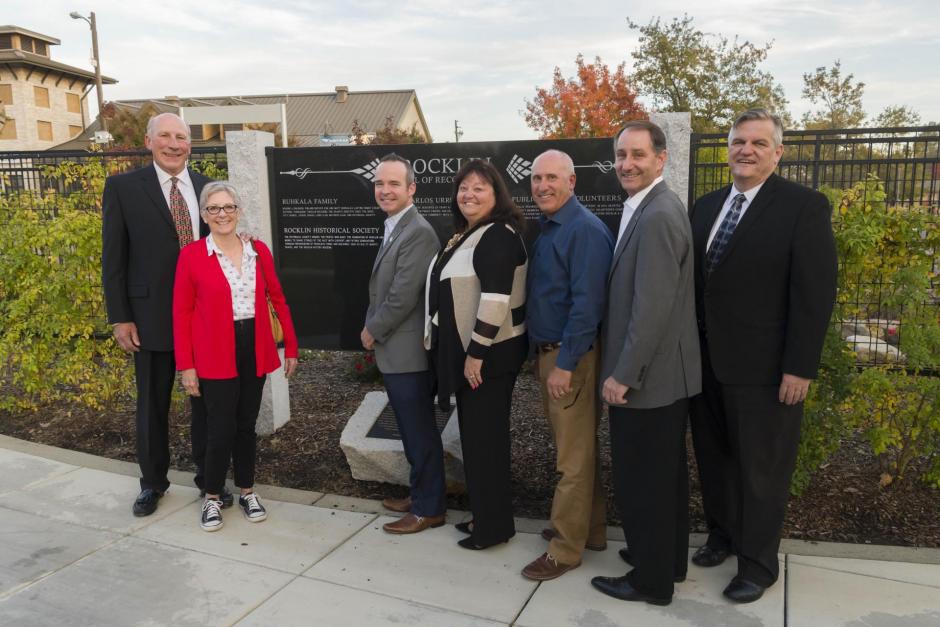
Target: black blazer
(765, 307)
(139, 251)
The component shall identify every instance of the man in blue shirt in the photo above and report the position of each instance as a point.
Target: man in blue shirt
(565, 303)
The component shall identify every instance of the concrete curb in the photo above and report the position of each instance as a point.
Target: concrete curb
(913, 555)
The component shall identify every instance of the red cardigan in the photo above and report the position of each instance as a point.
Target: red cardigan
(203, 326)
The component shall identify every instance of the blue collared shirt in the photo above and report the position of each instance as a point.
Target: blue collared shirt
(567, 279)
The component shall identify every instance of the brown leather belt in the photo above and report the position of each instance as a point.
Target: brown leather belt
(547, 347)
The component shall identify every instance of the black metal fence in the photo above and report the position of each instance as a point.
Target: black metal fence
(26, 171)
(906, 160)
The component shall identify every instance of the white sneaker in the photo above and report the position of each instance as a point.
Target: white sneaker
(252, 507)
(211, 515)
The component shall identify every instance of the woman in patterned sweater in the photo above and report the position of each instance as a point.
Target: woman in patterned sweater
(476, 335)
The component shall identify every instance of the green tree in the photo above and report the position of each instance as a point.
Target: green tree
(596, 103)
(837, 98)
(895, 116)
(680, 68)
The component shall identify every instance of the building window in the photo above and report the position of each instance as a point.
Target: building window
(6, 94)
(40, 48)
(45, 130)
(42, 96)
(73, 103)
(74, 130)
(6, 42)
(9, 130)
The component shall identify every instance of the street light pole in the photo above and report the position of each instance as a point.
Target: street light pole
(75, 15)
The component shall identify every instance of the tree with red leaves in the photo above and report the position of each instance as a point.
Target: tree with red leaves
(596, 103)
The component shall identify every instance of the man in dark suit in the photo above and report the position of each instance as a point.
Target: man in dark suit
(650, 368)
(765, 283)
(394, 328)
(148, 215)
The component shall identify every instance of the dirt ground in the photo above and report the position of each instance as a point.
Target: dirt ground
(844, 502)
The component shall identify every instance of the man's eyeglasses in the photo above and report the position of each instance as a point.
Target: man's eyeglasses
(215, 209)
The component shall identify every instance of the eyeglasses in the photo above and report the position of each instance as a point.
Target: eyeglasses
(215, 209)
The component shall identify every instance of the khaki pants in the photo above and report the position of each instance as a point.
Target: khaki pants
(579, 507)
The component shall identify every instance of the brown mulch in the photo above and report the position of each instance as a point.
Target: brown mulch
(843, 503)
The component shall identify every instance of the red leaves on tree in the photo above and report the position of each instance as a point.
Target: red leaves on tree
(594, 104)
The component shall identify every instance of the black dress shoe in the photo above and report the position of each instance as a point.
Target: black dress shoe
(226, 497)
(743, 591)
(620, 588)
(468, 543)
(464, 527)
(146, 502)
(706, 556)
(625, 556)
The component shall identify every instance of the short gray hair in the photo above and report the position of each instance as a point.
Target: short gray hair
(760, 114)
(213, 187)
(152, 123)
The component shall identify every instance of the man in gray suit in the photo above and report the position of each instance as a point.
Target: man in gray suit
(394, 328)
(650, 368)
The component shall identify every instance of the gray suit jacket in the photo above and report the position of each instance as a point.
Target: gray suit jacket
(649, 336)
(395, 317)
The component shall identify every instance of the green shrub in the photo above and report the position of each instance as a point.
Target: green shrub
(55, 342)
(888, 258)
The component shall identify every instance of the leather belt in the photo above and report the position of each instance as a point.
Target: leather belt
(547, 347)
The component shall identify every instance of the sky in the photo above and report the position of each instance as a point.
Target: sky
(476, 63)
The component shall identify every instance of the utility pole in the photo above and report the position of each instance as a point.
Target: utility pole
(458, 132)
(75, 15)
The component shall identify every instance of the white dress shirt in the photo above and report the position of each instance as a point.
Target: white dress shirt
(630, 205)
(748, 197)
(185, 185)
(241, 281)
(391, 222)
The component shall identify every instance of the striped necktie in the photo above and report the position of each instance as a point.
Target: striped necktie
(723, 235)
(180, 213)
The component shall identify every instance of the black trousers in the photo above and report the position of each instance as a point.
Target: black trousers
(746, 442)
(155, 373)
(483, 416)
(232, 406)
(412, 398)
(651, 486)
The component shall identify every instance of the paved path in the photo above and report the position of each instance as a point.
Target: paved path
(72, 554)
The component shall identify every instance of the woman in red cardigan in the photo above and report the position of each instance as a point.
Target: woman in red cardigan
(224, 344)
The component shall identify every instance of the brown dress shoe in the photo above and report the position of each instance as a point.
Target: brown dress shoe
(548, 534)
(413, 524)
(398, 505)
(546, 567)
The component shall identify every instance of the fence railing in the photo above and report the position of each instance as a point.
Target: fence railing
(905, 159)
(25, 171)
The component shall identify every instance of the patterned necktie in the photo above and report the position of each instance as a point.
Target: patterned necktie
(180, 213)
(723, 234)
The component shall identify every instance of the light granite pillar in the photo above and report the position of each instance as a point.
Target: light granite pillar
(248, 172)
(678, 130)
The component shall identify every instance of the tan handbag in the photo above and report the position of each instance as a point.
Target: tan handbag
(276, 329)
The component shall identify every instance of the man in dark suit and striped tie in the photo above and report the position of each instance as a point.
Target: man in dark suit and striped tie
(765, 283)
(148, 215)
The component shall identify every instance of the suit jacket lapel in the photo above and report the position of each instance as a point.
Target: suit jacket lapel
(631, 225)
(151, 185)
(405, 220)
(752, 215)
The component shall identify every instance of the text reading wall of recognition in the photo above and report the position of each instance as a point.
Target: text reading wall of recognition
(327, 227)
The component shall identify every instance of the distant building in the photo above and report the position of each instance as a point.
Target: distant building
(320, 119)
(42, 102)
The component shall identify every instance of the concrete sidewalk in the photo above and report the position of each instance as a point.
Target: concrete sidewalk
(73, 554)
